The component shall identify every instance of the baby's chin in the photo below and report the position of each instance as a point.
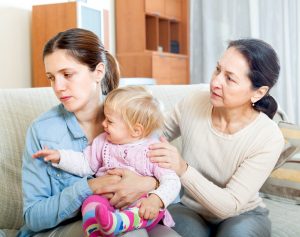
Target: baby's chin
(109, 138)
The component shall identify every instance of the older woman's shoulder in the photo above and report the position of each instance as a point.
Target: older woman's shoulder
(267, 121)
(269, 126)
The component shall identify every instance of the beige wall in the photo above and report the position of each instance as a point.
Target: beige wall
(15, 27)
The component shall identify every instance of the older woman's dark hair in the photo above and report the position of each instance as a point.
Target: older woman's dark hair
(87, 49)
(264, 69)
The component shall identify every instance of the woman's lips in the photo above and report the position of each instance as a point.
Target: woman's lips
(213, 94)
(64, 98)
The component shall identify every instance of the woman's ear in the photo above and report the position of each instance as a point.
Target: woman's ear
(259, 93)
(100, 71)
(138, 130)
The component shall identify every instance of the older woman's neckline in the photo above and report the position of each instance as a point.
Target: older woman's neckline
(233, 125)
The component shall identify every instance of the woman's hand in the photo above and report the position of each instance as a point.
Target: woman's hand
(98, 185)
(167, 156)
(130, 187)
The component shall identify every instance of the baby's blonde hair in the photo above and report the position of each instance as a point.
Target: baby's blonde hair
(136, 106)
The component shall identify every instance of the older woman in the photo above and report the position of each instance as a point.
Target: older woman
(230, 146)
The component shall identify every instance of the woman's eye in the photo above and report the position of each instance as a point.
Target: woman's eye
(67, 75)
(50, 78)
(230, 79)
(217, 69)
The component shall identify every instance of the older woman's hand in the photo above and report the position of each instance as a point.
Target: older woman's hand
(167, 156)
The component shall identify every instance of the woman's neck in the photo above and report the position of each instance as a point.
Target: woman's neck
(91, 122)
(230, 121)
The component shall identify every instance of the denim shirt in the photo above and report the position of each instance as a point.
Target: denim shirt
(51, 195)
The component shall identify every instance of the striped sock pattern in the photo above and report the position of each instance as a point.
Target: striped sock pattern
(112, 223)
(101, 219)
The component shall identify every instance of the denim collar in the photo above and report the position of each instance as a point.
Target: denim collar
(72, 123)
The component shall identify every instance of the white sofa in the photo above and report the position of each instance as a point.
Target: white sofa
(18, 107)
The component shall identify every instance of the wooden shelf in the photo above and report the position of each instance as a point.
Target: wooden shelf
(154, 35)
(164, 35)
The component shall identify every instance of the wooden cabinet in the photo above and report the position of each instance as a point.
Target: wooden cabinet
(174, 73)
(156, 7)
(173, 9)
(49, 19)
(178, 70)
(166, 68)
(164, 8)
(152, 39)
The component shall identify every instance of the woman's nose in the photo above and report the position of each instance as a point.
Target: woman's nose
(59, 84)
(216, 80)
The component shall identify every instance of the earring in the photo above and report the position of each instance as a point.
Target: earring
(253, 104)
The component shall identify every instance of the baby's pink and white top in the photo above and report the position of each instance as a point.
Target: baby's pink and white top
(102, 155)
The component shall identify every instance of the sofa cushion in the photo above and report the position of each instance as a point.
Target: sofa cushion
(291, 134)
(284, 181)
(18, 108)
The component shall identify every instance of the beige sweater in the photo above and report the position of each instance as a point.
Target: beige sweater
(225, 171)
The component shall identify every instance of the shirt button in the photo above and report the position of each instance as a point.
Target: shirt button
(57, 175)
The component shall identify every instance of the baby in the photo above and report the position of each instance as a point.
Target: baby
(132, 116)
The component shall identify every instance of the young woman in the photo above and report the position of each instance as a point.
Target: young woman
(79, 69)
(230, 146)
(132, 117)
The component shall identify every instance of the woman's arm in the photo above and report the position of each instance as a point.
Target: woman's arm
(243, 185)
(47, 201)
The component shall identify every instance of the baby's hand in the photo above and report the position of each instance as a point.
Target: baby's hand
(150, 206)
(49, 155)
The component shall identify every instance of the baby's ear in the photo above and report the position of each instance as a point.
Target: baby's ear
(138, 130)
